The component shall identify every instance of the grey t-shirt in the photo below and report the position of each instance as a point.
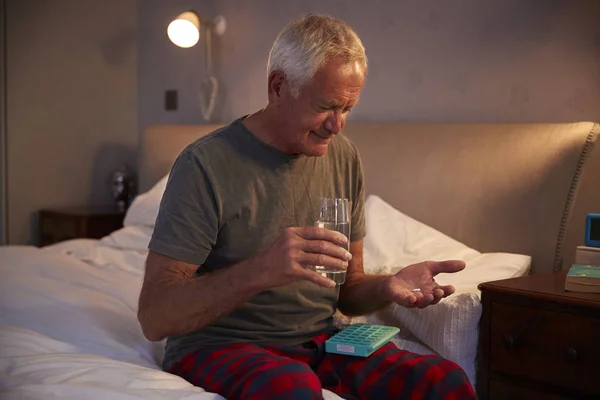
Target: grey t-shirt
(229, 195)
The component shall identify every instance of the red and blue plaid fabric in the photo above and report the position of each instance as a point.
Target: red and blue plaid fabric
(247, 371)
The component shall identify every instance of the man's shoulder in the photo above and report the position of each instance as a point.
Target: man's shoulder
(216, 141)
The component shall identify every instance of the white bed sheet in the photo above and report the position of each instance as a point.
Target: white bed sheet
(68, 326)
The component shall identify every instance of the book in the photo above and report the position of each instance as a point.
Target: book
(583, 278)
(585, 255)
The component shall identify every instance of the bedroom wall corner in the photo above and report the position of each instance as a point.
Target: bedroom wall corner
(71, 105)
(3, 158)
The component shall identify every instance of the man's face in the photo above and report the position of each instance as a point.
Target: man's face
(319, 112)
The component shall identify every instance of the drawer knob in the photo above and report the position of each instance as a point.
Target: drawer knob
(508, 341)
(571, 354)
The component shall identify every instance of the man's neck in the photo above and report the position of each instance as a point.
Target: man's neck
(264, 126)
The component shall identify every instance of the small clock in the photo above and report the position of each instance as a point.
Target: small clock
(592, 230)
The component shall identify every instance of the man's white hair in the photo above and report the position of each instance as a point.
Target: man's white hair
(308, 43)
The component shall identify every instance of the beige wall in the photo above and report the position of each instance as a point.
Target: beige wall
(3, 213)
(81, 85)
(430, 60)
(72, 92)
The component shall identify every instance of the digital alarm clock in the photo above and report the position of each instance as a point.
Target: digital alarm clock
(592, 230)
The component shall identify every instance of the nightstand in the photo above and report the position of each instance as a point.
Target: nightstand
(537, 341)
(78, 222)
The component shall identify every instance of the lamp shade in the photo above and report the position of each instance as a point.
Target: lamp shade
(184, 31)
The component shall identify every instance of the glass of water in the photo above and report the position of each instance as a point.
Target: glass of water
(334, 214)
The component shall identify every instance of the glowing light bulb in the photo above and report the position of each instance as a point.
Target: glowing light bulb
(185, 30)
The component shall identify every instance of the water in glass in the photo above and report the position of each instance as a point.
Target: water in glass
(334, 214)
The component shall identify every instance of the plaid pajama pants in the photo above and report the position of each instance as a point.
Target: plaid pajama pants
(247, 371)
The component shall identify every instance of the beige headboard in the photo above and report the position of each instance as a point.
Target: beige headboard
(496, 187)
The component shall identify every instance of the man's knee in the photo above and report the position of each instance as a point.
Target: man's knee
(285, 379)
(438, 378)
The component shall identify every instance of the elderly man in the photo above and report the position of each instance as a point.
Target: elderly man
(227, 278)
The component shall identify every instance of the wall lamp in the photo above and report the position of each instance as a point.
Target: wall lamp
(184, 31)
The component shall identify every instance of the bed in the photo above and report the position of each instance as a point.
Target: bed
(509, 199)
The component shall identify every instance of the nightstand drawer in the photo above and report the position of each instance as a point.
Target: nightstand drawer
(78, 222)
(556, 348)
(506, 390)
(56, 228)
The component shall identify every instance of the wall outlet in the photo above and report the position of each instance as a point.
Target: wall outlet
(171, 100)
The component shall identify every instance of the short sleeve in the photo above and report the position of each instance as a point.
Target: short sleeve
(358, 230)
(187, 224)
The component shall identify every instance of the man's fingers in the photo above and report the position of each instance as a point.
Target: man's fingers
(316, 233)
(322, 259)
(405, 298)
(325, 247)
(409, 299)
(317, 278)
(424, 301)
(439, 293)
(448, 290)
(449, 266)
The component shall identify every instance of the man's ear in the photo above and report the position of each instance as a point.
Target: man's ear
(277, 85)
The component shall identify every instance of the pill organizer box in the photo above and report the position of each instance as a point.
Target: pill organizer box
(360, 339)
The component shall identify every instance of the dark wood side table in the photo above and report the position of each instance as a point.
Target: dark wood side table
(537, 341)
(78, 222)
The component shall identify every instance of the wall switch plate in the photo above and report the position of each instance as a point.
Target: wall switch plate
(171, 100)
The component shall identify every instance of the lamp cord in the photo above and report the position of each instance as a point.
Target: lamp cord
(211, 81)
(207, 48)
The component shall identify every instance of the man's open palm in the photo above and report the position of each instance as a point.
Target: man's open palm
(398, 288)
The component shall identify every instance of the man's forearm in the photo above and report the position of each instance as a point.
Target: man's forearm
(182, 305)
(361, 294)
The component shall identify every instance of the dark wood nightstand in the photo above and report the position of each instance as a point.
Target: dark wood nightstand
(78, 222)
(537, 341)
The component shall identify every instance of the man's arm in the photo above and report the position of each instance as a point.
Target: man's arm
(175, 301)
(362, 294)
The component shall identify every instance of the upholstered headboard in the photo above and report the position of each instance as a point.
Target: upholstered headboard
(521, 188)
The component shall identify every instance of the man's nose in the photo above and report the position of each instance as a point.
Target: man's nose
(334, 122)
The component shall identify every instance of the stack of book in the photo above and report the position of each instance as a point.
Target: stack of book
(583, 278)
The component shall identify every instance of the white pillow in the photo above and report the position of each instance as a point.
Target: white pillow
(450, 327)
(486, 267)
(144, 208)
(395, 240)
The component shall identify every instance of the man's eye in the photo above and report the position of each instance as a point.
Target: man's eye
(347, 110)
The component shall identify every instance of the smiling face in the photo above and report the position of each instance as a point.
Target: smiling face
(308, 122)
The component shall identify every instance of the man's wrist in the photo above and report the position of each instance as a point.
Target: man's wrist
(381, 288)
(248, 277)
(364, 294)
